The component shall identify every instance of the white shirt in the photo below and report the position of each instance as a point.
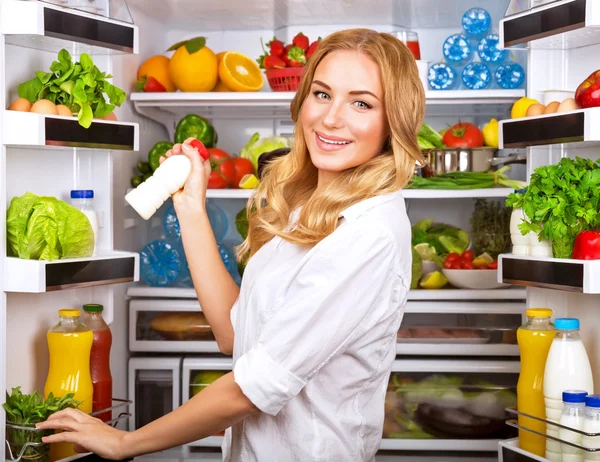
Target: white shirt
(315, 338)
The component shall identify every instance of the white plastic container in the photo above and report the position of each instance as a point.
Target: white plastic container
(572, 417)
(567, 368)
(83, 199)
(539, 248)
(591, 424)
(168, 178)
(521, 244)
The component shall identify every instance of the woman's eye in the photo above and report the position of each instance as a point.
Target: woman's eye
(321, 95)
(362, 105)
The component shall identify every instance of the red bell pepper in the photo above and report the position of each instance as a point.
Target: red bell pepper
(587, 246)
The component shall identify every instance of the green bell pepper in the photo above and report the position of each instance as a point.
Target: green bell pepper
(158, 150)
(197, 127)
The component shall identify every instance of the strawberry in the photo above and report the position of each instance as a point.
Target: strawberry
(300, 40)
(149, 85)
(276, 47)
(274, 62)
(296, 57)
(285, 55)
(312, 48)
(198, 146)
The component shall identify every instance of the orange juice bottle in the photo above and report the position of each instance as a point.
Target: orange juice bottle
(534, 339)
(70, 344)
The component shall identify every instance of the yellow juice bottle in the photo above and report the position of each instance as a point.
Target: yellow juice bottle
(69, 344)
(534, 339)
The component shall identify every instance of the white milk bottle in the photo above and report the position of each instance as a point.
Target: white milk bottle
(567, 368)
(572, 417)
(591, 424)
(520, 243)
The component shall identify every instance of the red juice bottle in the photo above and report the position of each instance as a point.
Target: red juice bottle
(100, 359)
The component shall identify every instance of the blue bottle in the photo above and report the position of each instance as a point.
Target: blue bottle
(476, 22)
(442, 76)
(510, 76)
(476, 76)
(488, 50)
(457, 50)
(216, 217)
(161, 263)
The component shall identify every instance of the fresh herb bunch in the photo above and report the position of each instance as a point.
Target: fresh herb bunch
(467, 180)
(561, 201)
(80, 86)
(490, 224)
(26, 411)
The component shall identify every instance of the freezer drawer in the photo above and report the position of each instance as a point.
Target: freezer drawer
(460, 328)
(154, 388)
(197, 374)
(169, 326)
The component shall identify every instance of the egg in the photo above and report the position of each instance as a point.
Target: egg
(20, 104)
(568, 105)
(44, 106)
(552, 107)
(535, 110)
(64, 110)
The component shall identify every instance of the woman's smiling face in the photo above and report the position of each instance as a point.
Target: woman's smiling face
(343, 119)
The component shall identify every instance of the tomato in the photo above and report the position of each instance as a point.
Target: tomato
(242, 167)
(493, 265)
(448, 264)
(216, 181)
(222, 164)
(452, 256)
(455, 264)
(467, 255)
(463, 135)
(466, 264)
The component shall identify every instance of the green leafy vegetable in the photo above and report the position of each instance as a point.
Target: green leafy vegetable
(428, 138)
(257, 146)
(561, 201)
(417, 269)
(444, 238)
(80, 86)
(467, 180)
(27, 410)
(46, 228)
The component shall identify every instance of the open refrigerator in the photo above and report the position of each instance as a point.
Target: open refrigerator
(50, 155)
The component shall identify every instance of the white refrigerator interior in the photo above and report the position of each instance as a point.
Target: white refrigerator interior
(52, 155)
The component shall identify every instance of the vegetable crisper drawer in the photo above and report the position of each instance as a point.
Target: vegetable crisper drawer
(173, 326)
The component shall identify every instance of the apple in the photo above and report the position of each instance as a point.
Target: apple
(588, 92)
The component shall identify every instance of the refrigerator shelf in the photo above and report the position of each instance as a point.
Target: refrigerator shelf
(142, 290)
(18, 456)
(36, 276)
(28, 129)
(168, 108)
(578, 128)
(456, 349)
(50, 27)
(550, 273)
(558, 25)
(509, 451)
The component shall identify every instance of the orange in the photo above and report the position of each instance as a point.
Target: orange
(238, 72)
(194, 72)
(157, 67)
(220, 87)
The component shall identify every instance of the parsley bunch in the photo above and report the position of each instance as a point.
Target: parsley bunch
(26, 411)
(561, 201)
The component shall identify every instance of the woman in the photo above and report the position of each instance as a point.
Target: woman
(313, 326)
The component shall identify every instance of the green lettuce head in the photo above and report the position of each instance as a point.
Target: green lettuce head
(257, 146)
(46, 228)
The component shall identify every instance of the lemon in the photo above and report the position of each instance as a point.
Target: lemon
(425, 251)
(238, 72)
(490, 133)
(483, 260)
(520, 107)
(249, 181)
(434, 281)
(194, 66)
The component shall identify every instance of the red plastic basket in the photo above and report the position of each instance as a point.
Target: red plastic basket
(287, 79)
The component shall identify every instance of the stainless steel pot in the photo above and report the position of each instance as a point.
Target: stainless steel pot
(450, 160)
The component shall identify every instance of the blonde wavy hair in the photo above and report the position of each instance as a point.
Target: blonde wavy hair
(290, 181)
